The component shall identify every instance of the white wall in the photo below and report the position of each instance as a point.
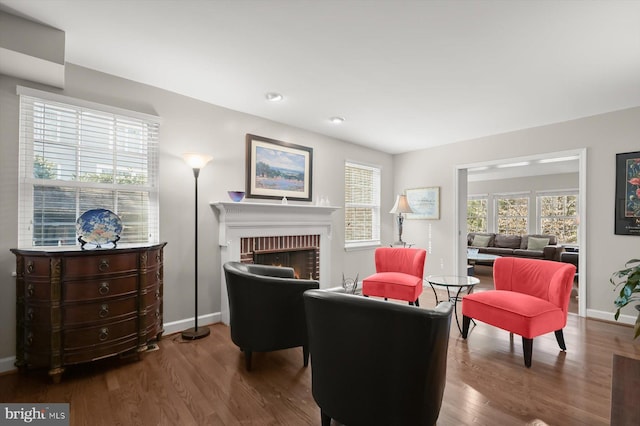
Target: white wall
(603, 136)
(187, 125)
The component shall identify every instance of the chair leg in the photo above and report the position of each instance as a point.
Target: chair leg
(527, 346)
(560, 339)
(417, 302)
(305, 355)
(465, 326)
(247, 359)
(325, 419)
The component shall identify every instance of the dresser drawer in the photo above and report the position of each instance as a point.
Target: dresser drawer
(37, 339)
(84, 266)
(150, 296)
(36, 267)
(99, 289)
(154, 258)
(105, 310)
(75, 339)
(37, 315)
(35, 290)
(152, 316)
(93, 353)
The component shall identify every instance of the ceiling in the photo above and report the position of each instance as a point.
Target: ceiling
(404, 74)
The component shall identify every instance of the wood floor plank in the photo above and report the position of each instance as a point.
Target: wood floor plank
(205, 382)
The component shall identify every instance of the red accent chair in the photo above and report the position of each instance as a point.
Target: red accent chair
(531, 298)
(399, 274)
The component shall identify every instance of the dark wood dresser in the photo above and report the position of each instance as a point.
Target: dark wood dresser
(75, 306)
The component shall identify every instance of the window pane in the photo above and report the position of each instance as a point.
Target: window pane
(54, 216)
(559, 217)
(513, 215)
(477, 215)
(362, 203)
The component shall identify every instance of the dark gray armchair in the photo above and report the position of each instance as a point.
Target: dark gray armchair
(375, 362)
(266, 309)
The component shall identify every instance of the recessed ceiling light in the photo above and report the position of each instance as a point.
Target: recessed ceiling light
(274, 97)
(336, 120)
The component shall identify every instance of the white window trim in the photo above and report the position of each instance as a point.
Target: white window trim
(366, 244)
(26, 183)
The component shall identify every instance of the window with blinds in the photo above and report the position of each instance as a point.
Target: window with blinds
(74, 158)
(362, 205)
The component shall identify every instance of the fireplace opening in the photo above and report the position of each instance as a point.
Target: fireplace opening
(304, 260)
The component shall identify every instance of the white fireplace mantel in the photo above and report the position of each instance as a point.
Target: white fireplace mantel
(245, 220)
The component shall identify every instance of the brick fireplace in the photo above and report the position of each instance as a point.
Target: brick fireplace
(301, 252)
(248, 229)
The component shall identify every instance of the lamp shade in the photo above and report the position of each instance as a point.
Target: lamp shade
(401, 205)
(195, 160)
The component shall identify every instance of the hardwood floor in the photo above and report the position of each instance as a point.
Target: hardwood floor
(204, 382)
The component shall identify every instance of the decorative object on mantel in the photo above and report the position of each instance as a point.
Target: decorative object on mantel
(401, 206)
(425, 203)
(196, 161)
(277, 169)
(350, 285)
(627, 220)
(236, 196)
(98, 227)
(628, 281)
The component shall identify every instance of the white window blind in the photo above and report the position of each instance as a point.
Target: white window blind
(362, 205)
(74, 158)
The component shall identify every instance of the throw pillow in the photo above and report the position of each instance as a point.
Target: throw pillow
(536, 243)
(481, 241)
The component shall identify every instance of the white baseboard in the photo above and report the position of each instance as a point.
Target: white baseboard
(6, 364)
(609, 316)
(184, 324)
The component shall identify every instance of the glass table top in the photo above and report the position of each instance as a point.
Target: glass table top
(452, 280)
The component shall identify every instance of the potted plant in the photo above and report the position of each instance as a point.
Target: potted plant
(628, 281)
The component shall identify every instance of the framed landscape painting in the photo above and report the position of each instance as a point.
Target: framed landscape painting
(628, 193)
(425, 203)
(277, 169)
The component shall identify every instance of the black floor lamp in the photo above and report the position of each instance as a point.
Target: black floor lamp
(196, 161)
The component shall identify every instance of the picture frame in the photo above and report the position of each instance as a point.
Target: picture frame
(277, 169)
(425, 203)
(627, 207)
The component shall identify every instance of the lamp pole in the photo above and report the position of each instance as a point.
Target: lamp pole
(196, 333)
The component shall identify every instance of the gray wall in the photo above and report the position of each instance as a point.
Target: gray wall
(187, 125)
(602, 135)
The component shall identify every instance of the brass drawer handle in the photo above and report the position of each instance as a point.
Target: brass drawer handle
(30, 314)
(104, 334)
(158, 257)
(104, 311)
(158, 275)
(30, 266)
(29, 340)
(104, 265)
(157, 294)
(157, 313)
(104, 289)
(30, 290)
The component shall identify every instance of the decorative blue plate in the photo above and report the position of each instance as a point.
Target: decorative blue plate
(98, 226)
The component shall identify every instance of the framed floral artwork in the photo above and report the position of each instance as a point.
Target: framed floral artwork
(627, 193)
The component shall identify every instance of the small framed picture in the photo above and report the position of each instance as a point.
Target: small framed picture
(277, 169)
(425, 202)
